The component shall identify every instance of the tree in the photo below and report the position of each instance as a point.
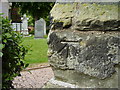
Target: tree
(36, 9)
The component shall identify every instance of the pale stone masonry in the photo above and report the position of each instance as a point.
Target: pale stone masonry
(84, 44)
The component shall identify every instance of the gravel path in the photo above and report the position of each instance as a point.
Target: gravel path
(33, 79)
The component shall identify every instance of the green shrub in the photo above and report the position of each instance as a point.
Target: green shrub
(13, 54)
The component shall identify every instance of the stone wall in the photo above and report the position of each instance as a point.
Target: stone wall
(84, 44)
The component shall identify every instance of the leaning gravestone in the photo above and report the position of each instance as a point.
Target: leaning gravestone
(40, 28)
(84, 45)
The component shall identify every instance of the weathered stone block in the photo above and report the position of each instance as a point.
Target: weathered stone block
(96, 53)
(86, 16)
(86, 52)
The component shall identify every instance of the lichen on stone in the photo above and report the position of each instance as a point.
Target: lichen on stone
(84, 42)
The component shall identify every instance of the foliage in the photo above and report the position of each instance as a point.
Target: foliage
(30, 21)
(38, 50)
(13, 54)
(36, 9)
(1, 46)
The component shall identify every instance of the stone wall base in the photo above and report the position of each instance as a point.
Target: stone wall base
(52, 83)
(86, 81)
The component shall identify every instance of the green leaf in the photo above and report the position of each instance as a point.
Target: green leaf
(26, 65)
(11, 54)
(1, 46)
(1, 54)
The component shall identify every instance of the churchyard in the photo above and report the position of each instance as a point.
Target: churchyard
(36, 42)
(81, 51)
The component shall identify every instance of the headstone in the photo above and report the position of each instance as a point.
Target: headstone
(40, 28)
(17, 26)
(24, 25)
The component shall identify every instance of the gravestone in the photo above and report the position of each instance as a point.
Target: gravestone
(17, 26)
(24, 25)
(40, 28)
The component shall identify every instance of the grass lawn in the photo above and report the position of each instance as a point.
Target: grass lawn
(38, 50)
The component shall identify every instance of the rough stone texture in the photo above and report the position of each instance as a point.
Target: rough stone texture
(92, 53)
(86, 16)
(84, 44)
